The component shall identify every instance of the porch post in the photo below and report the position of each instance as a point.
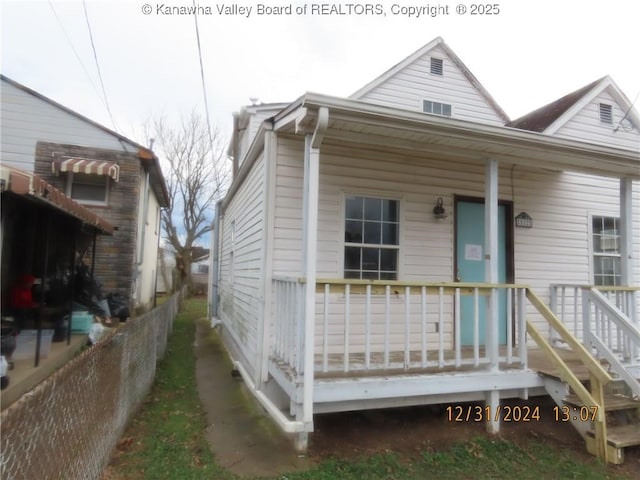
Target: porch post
(491, 258)
(626, 242)
(492, 398)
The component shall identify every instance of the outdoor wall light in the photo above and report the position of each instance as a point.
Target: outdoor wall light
(439, 211)
(523, 220)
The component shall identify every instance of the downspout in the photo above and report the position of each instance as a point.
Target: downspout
(312, 182)
(215, 256)
(141, 238)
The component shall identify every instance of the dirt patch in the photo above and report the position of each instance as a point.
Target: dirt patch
(409, 431)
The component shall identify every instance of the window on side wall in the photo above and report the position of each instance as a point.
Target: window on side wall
(88, 189)
(371, 238)
(606, 250)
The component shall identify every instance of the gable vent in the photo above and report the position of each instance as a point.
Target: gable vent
(606, 114)
(436, 66)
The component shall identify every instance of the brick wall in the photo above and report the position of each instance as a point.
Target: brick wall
(115, 255)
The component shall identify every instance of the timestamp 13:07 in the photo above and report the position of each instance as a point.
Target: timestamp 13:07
(518, 413)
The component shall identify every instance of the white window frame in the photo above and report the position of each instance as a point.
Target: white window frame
(102, 203)
(361, 245)
(440, 104)
(594, 255)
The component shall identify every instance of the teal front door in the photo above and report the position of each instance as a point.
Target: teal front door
(470, 251)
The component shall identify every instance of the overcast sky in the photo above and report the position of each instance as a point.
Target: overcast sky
(528, 53)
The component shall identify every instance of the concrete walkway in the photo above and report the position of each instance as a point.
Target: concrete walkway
(242, 436)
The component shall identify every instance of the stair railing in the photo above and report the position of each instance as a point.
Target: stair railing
(614, 336)
(599, 376)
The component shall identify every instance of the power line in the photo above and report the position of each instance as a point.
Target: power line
(95, 57)
(204, 87)
(64, 30)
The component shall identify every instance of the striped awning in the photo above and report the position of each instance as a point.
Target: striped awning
(88, 166)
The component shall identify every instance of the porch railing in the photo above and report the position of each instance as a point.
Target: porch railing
(286, 325)
(366, 325)
(566, 303)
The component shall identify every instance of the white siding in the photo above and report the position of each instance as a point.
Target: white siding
(586, 126)
(26, 119)
(555, 250)
(413, 84)
(239, 279)
(149, 264)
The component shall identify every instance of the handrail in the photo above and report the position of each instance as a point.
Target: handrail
(567, 375)
(616, 315)
(630, 334)
(599, 376)
(591, 363)
(379, 286)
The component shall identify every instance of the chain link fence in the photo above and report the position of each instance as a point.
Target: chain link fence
(68, 425)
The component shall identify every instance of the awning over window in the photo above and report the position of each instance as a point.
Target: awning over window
(32, 186)
(88, 166)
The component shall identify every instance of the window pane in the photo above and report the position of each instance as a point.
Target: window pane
(388, 276)
(89, 187)
(370, 275)
(446, 109)
(390, 210)
(352, 274)
(354, 207)
(390, 233)
(88, 192)
(372, 209)
(388, 259)
(372, 232)
(353, 231)
(352, 258)
(370, 258)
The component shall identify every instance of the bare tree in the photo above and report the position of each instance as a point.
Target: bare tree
(197, 175)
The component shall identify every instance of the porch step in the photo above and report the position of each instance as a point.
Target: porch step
(621, 436)
(612, 402)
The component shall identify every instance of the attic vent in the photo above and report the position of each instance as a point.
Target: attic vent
(436, 66)
(436, 108)
(606, 115)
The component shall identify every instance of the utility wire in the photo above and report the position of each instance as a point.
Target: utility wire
(64, 30)
(95, 57)
(204, 87)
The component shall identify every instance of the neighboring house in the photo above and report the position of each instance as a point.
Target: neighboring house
(400, 246)
(107, 173)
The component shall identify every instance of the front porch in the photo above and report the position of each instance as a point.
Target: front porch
(380, 344)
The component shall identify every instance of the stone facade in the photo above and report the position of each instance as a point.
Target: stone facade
(115, 255)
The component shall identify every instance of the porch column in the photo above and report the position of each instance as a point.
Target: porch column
(491, 258)
(626, 241)
(492, 398)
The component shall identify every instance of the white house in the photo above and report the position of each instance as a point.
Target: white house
(99, 169)
(402, 246)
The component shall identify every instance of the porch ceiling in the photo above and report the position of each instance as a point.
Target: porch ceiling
(390, 129)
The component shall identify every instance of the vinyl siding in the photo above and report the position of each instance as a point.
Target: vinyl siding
(586, 126)
(555, 250)
(239, 282)
(410, 86)
(26, 119)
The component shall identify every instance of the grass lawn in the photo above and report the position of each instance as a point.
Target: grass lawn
(166, 440)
